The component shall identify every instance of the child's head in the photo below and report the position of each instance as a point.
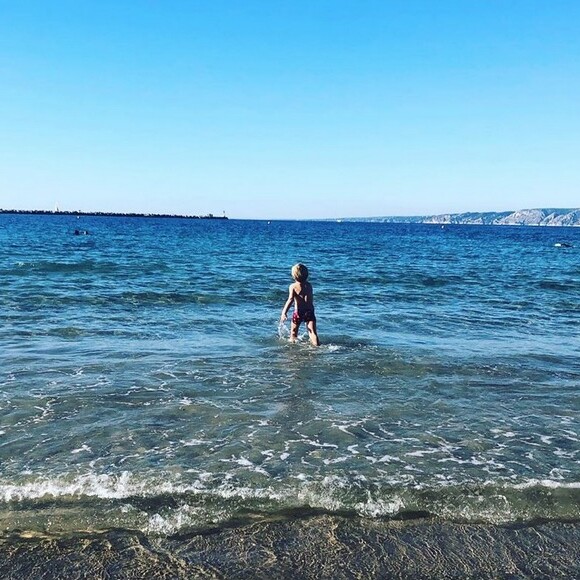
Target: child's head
(300, 272)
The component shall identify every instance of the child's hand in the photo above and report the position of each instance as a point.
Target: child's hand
(283, 319)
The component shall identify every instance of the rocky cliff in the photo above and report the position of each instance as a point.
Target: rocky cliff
(522, 217)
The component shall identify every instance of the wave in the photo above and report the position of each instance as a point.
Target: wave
(166, 298)
(558, 285)
(48, 267)
(118, 299)
(167, 505)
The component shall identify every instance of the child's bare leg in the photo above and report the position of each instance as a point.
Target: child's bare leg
(313, 334)
(294, 331)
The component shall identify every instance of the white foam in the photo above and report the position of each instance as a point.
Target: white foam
(91, 485)
(283, 331)
(548, 483)
(246, 463)
(126, 458)
(314, 443)
(81, 449)
(178, 519)
(388, 459)
(344, 429)
(298, 489)
(335, 460)
(375, 508)
(565, 454)
(422, 453)
(571, 435)
(333, 347)
(194, 442)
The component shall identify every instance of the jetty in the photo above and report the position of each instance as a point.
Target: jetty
(209, 216)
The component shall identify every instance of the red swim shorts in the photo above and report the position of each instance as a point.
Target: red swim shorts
(307, 316)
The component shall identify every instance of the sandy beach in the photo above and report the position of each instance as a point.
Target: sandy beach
(320, 546)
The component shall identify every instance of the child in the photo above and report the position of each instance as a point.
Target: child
(300, 293)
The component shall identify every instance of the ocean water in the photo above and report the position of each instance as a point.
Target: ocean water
(145, 383)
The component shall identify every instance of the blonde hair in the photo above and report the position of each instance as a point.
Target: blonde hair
(300, 272)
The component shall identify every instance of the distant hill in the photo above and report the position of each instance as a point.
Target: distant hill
(522, 217)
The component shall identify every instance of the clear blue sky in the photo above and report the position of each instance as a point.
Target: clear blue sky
(289, 108)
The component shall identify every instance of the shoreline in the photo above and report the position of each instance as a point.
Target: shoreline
(109, 214)
(321, 546)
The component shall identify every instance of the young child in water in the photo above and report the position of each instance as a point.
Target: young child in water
(301, 295)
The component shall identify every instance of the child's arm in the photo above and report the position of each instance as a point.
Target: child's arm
(287, 304)
(310, 298)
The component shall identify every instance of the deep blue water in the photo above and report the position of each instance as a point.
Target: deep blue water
(145, 384)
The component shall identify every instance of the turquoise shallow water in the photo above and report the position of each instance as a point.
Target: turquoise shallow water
(145, 384)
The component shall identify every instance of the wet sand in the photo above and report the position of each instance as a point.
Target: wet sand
(321, 546)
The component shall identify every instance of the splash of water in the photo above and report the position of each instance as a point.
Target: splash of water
(283, 331)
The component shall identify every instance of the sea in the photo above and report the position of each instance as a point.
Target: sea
(148, 387)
